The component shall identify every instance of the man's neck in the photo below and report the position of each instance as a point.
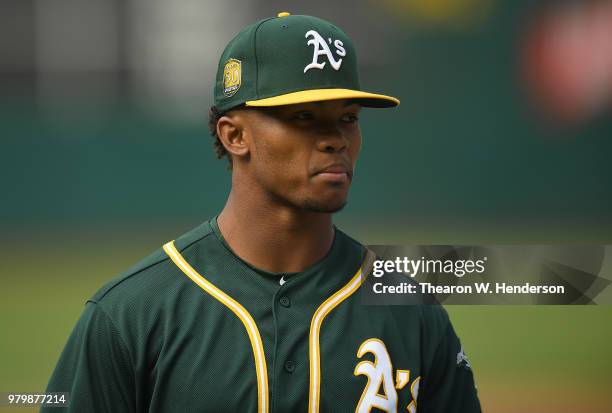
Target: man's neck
(275, 238)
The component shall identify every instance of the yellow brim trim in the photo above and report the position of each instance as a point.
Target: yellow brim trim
(314, 95)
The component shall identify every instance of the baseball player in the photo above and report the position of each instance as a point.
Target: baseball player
(256, 309)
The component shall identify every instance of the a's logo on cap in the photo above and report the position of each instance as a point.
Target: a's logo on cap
(322, 48)
(232, 74)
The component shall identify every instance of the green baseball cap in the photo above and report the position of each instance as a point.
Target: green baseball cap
(290, 59)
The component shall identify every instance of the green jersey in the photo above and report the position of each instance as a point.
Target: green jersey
(193, 328)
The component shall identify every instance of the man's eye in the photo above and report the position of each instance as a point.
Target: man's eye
(349, 118)
(303, 116)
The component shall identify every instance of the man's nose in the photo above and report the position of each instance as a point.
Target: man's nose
(331, 139)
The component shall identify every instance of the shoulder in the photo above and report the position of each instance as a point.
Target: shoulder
(148, 277)
(431, 319)
(349, 243)
(418, 309)
(435, 320)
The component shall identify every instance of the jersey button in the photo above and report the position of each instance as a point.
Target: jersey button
(285, 301)
(289, 366)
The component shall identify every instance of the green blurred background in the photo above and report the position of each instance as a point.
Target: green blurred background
(503, 136)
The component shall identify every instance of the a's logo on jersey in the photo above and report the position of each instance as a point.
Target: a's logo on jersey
(380, 377)
(321, 48)
(462, 360)
(232, 75)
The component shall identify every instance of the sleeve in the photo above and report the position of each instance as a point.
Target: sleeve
(95, 367)
(448, 386)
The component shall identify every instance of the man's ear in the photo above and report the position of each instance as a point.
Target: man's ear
(231, 133)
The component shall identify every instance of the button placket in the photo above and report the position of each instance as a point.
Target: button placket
(286, 359)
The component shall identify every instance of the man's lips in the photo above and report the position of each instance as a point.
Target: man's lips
(335, 172)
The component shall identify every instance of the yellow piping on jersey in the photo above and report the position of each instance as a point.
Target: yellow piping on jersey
(315, 329)
(244, 316)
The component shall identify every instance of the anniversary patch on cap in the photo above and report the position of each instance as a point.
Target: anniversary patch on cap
(232, 74)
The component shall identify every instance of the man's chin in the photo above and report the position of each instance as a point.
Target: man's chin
(324, 207)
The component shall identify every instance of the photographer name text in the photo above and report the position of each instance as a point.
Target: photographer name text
(475, 288)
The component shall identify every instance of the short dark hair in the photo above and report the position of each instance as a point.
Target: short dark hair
(213, 118)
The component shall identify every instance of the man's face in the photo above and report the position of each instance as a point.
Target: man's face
(304, 155)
